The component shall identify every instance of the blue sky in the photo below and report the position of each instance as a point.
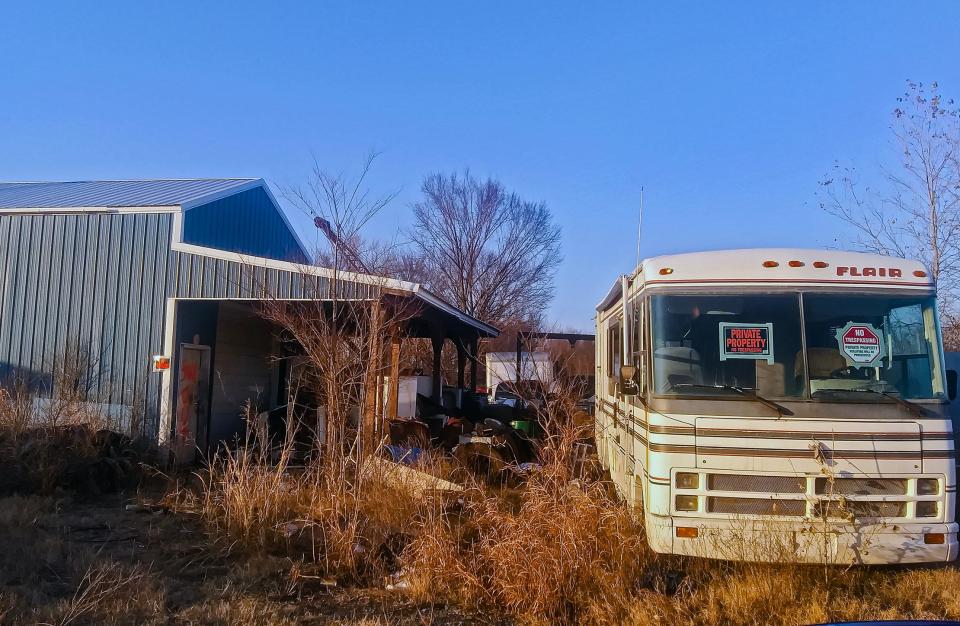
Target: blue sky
(727, 113)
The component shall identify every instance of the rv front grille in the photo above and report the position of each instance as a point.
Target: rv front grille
(862, 486)
(756, 506)
(757, 484)
(859, 510)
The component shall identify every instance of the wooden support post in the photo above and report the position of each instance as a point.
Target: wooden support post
(461, 363)
(368, 424)
(394, 401)
(437, 369)
(474, 364)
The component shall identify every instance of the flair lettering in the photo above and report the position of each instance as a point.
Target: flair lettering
(883, 272)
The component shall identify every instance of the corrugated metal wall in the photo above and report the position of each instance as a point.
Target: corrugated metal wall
(247, 223)
(198, 276)
(89, 287)
(97, 284)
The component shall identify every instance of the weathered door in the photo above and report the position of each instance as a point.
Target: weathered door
(193, 385)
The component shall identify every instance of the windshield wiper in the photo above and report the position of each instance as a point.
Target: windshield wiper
(914, 409)
(753, 395)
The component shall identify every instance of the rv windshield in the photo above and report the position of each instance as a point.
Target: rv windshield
(859, 347)
(876, 343)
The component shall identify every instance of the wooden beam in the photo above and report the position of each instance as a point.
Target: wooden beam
(461, 363)
(393, 403)
(474, 363)
(437, 394)
(374, 368)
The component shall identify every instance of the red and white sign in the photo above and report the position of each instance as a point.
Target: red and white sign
(861, 344)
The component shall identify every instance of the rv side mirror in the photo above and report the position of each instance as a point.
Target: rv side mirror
(952, 384)
(628, 382)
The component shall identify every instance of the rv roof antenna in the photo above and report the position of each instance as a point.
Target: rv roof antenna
(639, 227)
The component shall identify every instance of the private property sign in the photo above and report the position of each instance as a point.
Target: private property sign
(861, 344)
(746, 341)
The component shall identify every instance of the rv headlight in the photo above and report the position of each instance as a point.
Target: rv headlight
(927, 508)
(928, 486)
(686, 503)
(687, 480)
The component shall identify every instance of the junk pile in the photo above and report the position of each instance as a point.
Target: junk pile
(73, 457)
(494, 439)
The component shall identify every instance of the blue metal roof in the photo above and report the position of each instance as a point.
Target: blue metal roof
(119, 193)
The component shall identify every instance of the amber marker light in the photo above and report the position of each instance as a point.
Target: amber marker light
(919, 273)
(665, 271)
(929, 538)
(796, 263)
(770, 264)
(691, 532)
(820, 264)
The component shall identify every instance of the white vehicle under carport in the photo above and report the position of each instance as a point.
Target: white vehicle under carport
(502, 367)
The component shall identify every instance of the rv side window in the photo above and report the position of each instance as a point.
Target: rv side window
(614, 350)
(637, 342)
(636, 326)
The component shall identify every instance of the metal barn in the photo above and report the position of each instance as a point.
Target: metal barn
(116, 273)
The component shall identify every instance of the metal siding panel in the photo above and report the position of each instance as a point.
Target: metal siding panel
(163, 287)
(183, 276)
(233, 280)
(198, 279)
(67, 313)
(123, 351)
(66, 281)
(80, 287)
(219, 279)
(132, 356)
(81, 310)
(104, 309)
(31, 261)
(246, 223)
(54, 270)
(151, 298)
(271, 284)
(99, 329)
(6, 224)
(14, 287)
(38, 331)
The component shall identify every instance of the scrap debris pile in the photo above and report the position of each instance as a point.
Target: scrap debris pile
(492, 437)
(74, 457)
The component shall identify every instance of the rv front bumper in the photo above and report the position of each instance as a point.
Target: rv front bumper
(809, 541)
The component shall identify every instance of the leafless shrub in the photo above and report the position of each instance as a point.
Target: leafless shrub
(917, 215)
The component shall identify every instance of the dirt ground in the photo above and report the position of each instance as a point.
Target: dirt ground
(111, 560)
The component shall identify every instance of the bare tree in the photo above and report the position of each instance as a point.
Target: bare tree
(485, 249)
(340, 208)
(341, 337)
(917, 213)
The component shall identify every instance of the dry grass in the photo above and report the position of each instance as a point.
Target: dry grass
(560, 550)
(556, 558)
(342, 523)
(63, 443)
(257, 542)
(565, 552)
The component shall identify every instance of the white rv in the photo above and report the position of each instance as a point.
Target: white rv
(779, 404)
